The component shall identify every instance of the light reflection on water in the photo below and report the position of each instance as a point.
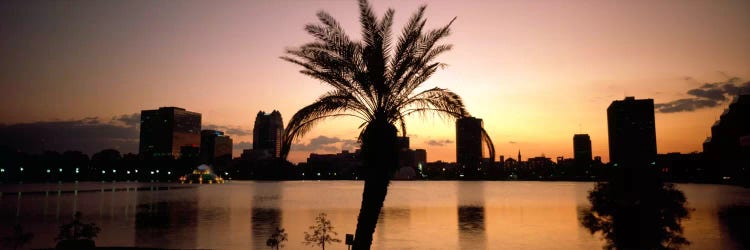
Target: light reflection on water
(417, 215)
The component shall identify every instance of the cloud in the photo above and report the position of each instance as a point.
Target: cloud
(349, 144)
(324, 143)
(229, 130)
(685, 105)
(512, 142)
(243, 145)
(89, 135)
(438, 143)
(131, 120)
(707, 95)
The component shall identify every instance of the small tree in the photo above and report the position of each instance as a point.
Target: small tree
(276, 241)
(77, 230)
(18, 239)
(322, 233)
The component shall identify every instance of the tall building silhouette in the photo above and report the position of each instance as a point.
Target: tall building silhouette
(166, 130)
(469, 144)
(215, 145)
(582, 148)
(728, 148)
(632, 132)
(268, 133)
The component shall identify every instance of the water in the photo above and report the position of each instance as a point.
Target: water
(417, 215)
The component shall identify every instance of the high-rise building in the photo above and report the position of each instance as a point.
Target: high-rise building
(402, 143)
(632, 132)
(268, 134)
(215, 145)
(469, 144)
(166, 130)
(582, 148)
(405, 154)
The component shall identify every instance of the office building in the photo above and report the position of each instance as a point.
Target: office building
(469, 145)
(215, 145)
(582, 148)
(166, 130)
(632, 132)
(268, 134)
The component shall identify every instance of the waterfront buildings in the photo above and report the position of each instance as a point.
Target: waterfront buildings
(410, 161)
(632, 133)
(469, 144)
(268, 133)
(166, 130)
(342, 165)
(215, 145)
(582, 149)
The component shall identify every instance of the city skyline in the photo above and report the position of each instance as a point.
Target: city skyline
(217, 60)
(440, 124)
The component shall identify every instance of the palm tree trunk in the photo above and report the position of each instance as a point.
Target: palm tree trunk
(380, 159)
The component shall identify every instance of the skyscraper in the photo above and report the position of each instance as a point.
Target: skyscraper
(582, 148)
(469, 144)
(165, 130)
(214, 144)
(632, 133)
(268, 134)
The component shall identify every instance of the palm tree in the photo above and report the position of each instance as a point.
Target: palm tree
(376, 81)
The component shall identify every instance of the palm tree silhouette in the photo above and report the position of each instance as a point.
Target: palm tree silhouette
(376, 81)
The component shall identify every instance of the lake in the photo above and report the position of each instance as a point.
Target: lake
(417, 214)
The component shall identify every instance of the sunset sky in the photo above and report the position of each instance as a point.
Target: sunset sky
(536, 72)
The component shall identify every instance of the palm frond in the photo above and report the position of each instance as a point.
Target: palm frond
(424, 54)
(332, 104)
(373, 79)
(490, 146)
(442, 101)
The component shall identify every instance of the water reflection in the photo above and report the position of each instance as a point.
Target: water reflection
(266, 212)
(636, 210)
(165, 223)
(393, 227)
(420, 215)
(471, 215)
